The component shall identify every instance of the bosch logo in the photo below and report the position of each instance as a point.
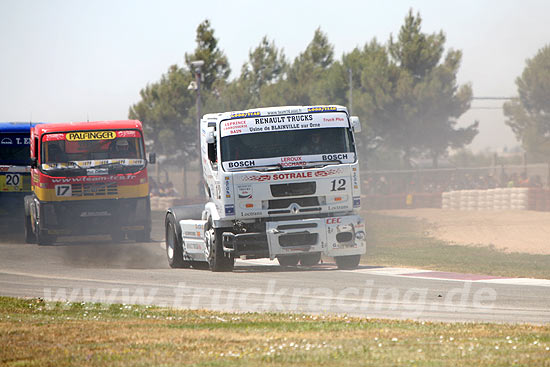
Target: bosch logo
(335, 157)
(241, 164)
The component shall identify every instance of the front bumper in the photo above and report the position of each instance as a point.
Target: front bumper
(95, 217)
(333, 236)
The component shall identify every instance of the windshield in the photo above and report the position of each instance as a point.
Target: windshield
(90, 149)
(14, 149)
(286, 143)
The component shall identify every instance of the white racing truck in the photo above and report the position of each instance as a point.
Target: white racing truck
(282, 182)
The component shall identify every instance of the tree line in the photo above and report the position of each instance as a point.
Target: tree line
(404, 91)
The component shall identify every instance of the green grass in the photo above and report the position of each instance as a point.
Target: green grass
(398, 241)
(33, 332)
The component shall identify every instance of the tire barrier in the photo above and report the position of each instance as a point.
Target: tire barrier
(539, 199)
(514, 198)
(401, 201)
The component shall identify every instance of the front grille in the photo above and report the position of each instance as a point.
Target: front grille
(94, 189)
(298, 239)
(293, 189)
(285, 203)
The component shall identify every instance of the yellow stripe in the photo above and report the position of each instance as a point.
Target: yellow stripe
(124, 192)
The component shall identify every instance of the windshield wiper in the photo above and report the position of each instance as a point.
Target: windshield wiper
(75, 164)
(110, 164)
(322, 163)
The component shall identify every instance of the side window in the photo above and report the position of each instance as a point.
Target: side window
(35, 148)
(212, 155)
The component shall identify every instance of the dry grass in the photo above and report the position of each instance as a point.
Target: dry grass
(406, 242)
(36, 333)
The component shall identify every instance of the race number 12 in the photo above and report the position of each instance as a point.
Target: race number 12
(63, 190)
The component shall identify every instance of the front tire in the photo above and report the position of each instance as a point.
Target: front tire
(217, 259)
(310, 259)
(348, 262)
(29, 234)
(43, 238)
(174, 246)
(288, 260)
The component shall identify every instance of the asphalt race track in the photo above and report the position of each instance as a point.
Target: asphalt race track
(94, 269)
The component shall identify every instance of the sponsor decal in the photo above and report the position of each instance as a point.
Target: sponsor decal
(244, 191)
(229, 209)
(86, 179)
(251, 214)
(18, 169)
(15, 140)
(356, 201)
(227, 187)
(95, 214)
(90, 135)
(293, 175)
(333, 220)
(321, 109)
(299, 121)
(239, 164)
(245, 114)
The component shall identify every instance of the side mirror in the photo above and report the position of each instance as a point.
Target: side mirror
(152, 158)
(34, 162)
(210, 135)
(355, 124)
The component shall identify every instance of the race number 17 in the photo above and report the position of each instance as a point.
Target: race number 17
(63, 190)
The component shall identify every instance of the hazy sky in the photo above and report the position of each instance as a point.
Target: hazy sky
(70, 60)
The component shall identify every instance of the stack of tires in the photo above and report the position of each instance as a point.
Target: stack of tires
(493, 199)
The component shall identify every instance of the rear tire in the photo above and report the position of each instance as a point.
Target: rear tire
(174, 246)
(348, 262)
(310, 259)
(288, 260)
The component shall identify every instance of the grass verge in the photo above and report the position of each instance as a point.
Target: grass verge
(398, 241)
(33, 332)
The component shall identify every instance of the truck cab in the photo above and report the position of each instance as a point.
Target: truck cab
(282, 183)
(88, 178)
(15, 176)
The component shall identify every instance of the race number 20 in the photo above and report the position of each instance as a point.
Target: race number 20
(13, 180)
(63, 190)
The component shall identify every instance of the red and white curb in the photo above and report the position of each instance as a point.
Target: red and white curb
(420, 274)
(414, 273)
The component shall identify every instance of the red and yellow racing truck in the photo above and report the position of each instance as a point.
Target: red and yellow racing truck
(88, 178)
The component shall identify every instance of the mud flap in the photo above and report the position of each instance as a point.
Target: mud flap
(192, 232)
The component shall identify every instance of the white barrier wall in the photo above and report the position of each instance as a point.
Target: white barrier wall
(513, 198)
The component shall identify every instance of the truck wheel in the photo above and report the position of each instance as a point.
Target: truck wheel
(174, 248)
(217, 260)
(43, 238)
(288, 260)
(347, 262)
(310, 259)
(29, 234)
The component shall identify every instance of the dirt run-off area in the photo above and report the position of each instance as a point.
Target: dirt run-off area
(511, 231)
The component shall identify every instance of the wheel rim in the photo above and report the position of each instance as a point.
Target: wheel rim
(170, 242)
(207, 249)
